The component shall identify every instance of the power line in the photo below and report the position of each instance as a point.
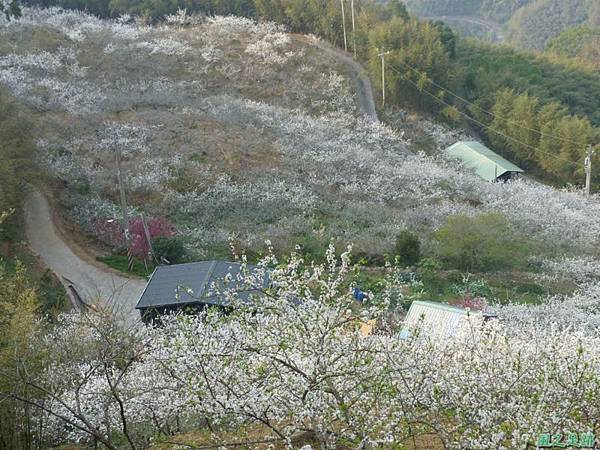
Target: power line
(539, 132)
(481, 124)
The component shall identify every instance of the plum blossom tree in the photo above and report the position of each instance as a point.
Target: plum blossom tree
(111, 233)
(294, 363)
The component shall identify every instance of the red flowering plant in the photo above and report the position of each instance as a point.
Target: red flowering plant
(111, 233)
(472, 302)
(157, 227)
(472, 294)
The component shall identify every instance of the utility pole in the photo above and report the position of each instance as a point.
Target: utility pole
(147, 234)
(382, 54)
(344, 26)
(123, 199)
(130, 260)
(588, 169)
(353, 28)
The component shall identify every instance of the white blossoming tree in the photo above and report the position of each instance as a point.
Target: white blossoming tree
(294, 364)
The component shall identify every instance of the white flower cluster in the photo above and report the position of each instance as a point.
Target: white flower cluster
(579, 269)
(167, 46)
(128, 138)
(443, 135)
(580, 311)
(295, 362)
(228, 25)
(336, 93)
(76, 25)
(268, 48)
(259, 199)
(182, 18)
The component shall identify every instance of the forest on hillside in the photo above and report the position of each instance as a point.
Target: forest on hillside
(580, 43)
(531, 23)
(500, 11)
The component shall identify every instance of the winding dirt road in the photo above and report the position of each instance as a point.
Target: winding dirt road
(96, 285)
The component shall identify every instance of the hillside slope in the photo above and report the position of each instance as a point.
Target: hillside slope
(235, 130)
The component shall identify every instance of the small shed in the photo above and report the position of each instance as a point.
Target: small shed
(439, 320)
(193, 287)
(484, 162)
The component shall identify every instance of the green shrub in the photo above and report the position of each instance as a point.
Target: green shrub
(408, 248)
(170, 248)
(429, 272)
(479, 244)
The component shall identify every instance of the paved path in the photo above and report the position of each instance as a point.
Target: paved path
(364, 91)
(95, 285)
(358, 74)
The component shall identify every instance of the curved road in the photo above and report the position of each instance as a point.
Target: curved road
(95, 285)
(364, 91)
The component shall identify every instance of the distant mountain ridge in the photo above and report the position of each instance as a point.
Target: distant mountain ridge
(531, 23)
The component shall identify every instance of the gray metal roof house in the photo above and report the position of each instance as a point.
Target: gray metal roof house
(193, 287)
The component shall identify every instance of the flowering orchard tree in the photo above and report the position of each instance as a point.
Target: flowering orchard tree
(109, 232)
(294, 362)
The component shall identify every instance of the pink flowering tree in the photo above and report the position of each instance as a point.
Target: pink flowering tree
(473, 302)
(157, 227)
(111, 233)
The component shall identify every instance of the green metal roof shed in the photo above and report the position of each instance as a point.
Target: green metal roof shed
(477, 157)
(439, 320)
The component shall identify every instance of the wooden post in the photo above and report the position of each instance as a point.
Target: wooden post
(382, 54)
(147, 234)
(123, 199)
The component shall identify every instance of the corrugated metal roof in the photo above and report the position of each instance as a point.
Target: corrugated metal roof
(440, 320)
(480, 159)
(181, 284)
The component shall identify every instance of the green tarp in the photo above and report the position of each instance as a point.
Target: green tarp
(481, 160)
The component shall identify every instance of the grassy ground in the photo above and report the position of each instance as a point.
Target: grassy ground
(120, 262)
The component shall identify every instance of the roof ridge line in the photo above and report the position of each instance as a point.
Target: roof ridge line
(208, 276)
